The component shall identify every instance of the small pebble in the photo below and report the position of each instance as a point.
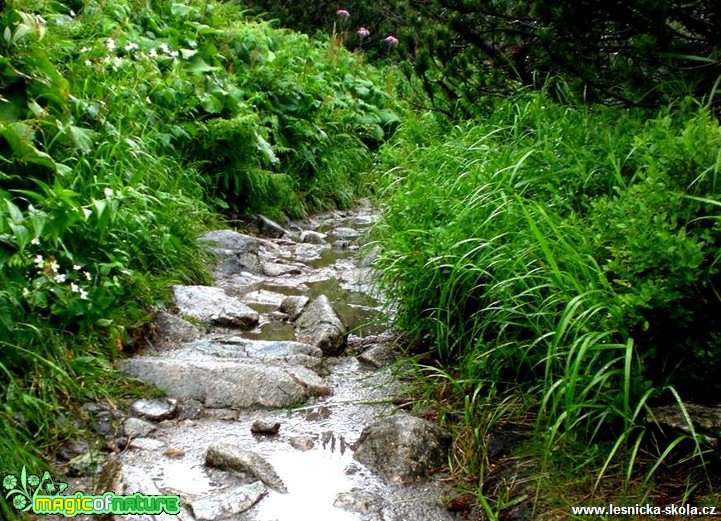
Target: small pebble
(267, 428)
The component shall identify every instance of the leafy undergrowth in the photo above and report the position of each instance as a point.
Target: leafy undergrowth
(125, 126)
(568, 259)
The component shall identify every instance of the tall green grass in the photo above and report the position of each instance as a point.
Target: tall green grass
(555, 250)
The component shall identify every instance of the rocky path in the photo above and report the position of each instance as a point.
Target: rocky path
(280, 400)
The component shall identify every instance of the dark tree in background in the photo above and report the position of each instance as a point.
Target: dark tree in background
(631, 52)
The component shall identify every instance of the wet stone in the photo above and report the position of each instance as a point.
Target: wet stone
(228, 457)
(265, 427)
(313, 237)
(275, 269)
(379, 355)
(340, 244)
(320, 326)
(356, 500)
(137, 428)
(220, 414)
(263, 296)
(240, 283)
(345, 233)
(174, 329)
(124, 479)
(363, 220)
(230, 502)
(269, 228)
(236, 347)
(224, 383)
(403, 448)
(302, 443)
(706, 420)
(235, 252)
(212, 305)
(86, 464)
(73, 448)
(149, 444)
(189, 409)
(293, 305)
(155, 409)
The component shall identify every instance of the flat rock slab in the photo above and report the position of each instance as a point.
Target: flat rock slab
(320, 326)
(213, 306)
(235, 347)
(263, 296)
(230, 502)
(706, 420)
(137, 428)
(155, 409)
(403, 448)
(228, 457)
(276, 269)
(233, 384)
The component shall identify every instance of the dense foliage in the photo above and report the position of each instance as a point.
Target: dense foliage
(631, 52)
(123, 125)
(543, 246)
(572, 255)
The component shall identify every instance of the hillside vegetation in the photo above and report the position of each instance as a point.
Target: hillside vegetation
(564, 265)
(125, 127)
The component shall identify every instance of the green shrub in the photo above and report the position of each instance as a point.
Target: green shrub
(558, 250)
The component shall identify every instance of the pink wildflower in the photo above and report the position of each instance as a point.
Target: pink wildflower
(392, 41)
(343, 14)
(363, 32)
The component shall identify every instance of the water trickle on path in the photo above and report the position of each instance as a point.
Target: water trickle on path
(312, 453)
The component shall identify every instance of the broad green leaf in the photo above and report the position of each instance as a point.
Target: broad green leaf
(15, 214)
(181, 10)
(20, 137)
(266, 149)
(82, 138)
(21, 233)
(198, 66)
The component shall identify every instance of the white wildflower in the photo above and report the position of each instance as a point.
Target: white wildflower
(164, 47)
(74, 288)
(83, 294)
(110, 44)
(153, 53)
(84, 49)
(173, 54)
(60, 277)
(117, 63)
(54, 266)
(39, 261)
(35, 241)
(77, 267)
(88, 63)
(88, 276)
